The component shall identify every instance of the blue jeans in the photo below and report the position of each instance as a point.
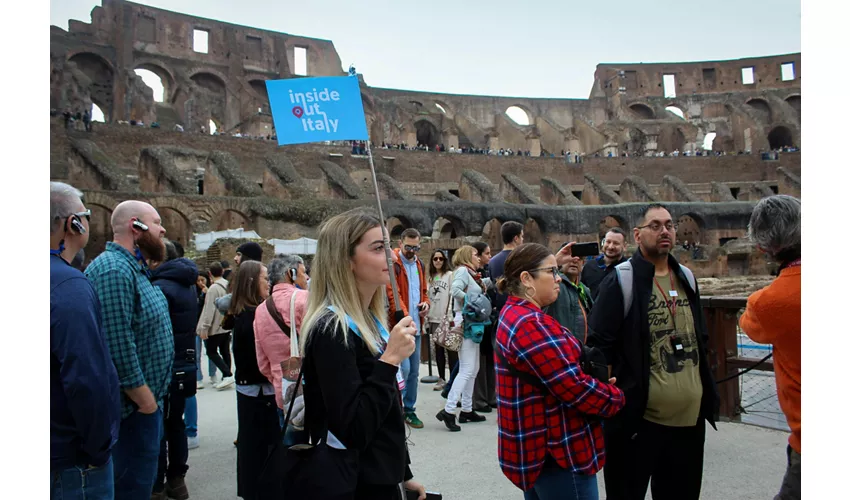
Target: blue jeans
(210, 364)
(410, 372)
(190, 417)
(555, 483)
(292, 436)
(136, 455)
(78, 483)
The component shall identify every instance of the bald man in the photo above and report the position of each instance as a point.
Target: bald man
(138, 331)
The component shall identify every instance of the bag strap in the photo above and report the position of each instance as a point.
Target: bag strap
(690, 277)
(279, 440)
(626, 277)
(451, 299)
(293, 342)
(275, 314)
(525, 377)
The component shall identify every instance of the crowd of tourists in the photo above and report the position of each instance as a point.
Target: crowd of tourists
(591, 364)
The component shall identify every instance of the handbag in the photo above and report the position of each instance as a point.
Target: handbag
(447, 336)
(308, 471)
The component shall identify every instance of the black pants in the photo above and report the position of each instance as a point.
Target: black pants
(670, 458)
(259, 427)
(174, 450)
(484, 394)
(377, 492)
(216, 344)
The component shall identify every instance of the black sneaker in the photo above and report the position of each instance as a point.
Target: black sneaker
(449, 420)
(471, 417)
(482, 409)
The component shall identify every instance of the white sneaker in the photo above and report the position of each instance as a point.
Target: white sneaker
(213, 381)
(200, 384)
(225, 383)
(193, 442)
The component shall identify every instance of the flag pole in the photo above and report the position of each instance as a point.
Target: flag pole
(398, 314)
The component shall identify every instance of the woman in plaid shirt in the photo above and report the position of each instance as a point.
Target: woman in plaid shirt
(550, 432)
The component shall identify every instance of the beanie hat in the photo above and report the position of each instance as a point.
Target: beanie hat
(250, 251)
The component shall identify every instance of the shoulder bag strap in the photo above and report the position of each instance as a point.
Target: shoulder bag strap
(625, 276)
(293, 342)
(451, 299)
(275, 314)
(525, 377)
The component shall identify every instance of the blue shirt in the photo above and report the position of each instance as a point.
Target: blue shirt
(413, 291)
(136, 323)
(85, 408)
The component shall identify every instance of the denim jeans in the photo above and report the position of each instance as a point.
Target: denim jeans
(78, 483)
(555, 483)
(174, 450)
(210, 364)
(292, 436)
(190, 417)
(136, 455)
(410, 372)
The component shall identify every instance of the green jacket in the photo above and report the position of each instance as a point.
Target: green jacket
(567, 310)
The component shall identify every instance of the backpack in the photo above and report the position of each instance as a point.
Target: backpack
(626, 277)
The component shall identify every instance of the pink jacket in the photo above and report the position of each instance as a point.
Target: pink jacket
(272, 344)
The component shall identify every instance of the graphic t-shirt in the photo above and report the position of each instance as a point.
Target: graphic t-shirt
(675, 388)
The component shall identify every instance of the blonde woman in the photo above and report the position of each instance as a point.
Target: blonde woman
(466, 279)
(351, 363)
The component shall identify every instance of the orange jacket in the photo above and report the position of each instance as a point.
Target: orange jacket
(403, 293)
(773, 317)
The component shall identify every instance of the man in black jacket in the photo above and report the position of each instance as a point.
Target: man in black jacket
(657, 351)
(176, 278)
(613, 253)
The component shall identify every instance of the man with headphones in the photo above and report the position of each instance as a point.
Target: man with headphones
(84, 398)
(138, 331)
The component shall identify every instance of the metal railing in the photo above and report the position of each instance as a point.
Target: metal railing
(746, 383)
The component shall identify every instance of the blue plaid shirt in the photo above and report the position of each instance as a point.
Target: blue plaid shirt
(136, 324)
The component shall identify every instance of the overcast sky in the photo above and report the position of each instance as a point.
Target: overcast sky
(497, 47)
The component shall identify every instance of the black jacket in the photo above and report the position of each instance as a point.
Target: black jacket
(592, 275)
(245, 350)
(349, 391)
(176, 278)
(625, 342)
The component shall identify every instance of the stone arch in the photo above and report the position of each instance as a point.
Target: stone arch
(259, 92)
(174, 203)
(762, 108)
(492, 235)
(611, 221)
(794, 101)
(446, 109)
(525, 110)
(210, 80)
(678, 112)
(396, 225)
(447, 227)
(165, 74)
(102, 75)
(232, 219)
(533, 232)
(690, 228)
(642, 111)
(100, 228)
(427, 133)
(780, 137)
(177, 226)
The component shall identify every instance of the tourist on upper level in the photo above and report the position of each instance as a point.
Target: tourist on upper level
(613, 253)
(256, 410)
(176, 278)
(138, 331)
(413, 295)
(85, 408)
(551, 441)
(484, 392)
(352, 364)
(465, 281)
(668, 398)
(773, 316)
(439, 295)
(277, 328)
(572, 308)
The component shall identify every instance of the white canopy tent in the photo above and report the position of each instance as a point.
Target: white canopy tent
(301, 246)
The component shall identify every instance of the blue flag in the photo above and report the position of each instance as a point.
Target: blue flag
(319, 109)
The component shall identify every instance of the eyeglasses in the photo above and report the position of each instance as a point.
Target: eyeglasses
(409, 248)
(86, 214)
(553, 270)
(655, 227)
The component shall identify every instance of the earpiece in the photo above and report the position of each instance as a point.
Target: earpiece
(77, 225)
(293, 273)
(140, 225)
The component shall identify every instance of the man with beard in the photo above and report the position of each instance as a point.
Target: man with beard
(138, 331)
(613, 250)
(654, 337)
(84, 404)
(572, 307)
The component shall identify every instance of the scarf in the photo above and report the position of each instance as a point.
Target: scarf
(476, 276)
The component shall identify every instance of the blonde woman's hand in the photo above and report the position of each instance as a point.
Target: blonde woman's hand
(402, 343)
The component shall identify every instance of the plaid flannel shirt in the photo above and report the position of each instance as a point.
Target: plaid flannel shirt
(136, 323)
(532, 422)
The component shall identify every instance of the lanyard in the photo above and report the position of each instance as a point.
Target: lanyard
(670, 308)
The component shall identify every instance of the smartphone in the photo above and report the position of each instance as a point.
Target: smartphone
(412, 495)
(585, 249)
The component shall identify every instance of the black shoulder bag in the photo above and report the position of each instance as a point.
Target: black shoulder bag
(308, 471)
